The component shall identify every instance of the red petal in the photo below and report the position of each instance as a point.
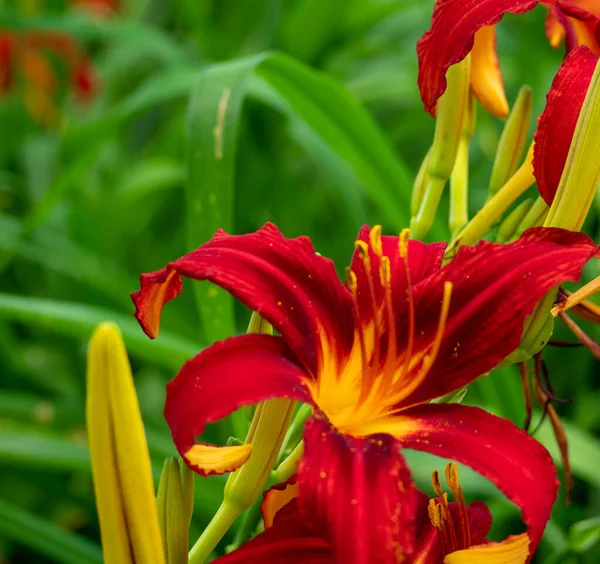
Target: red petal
(239, 371)
(288, 541)
(556, 125)
(450, 38)
(290, 285)
(495, 288)
(423, 260)
(517, 464)
(85, 82)
(357, 493)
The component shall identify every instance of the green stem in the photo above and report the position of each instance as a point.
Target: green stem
(289, 466)
(212, 535)
(249, 523)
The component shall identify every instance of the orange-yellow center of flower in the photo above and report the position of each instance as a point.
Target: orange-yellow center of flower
(453, 538)
(379, 372)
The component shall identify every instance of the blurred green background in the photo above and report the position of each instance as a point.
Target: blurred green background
(324, 131)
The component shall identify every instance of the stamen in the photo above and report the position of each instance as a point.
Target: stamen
(363, 250)
(403, 242)
(352, 283)
(576, 297)
(387, 379)
(436, 483)
(430, 357)
(403, 250)
(459, 498)
(436, 516)
(375, 239)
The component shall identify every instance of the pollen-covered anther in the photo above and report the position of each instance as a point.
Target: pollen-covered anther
(351, 281)
(363, 251)
(375, 239)
(403, 243)
(385, 272)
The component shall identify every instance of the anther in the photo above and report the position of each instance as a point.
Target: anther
(351, 280)
(403, 242)
(375, 239)
(434, 516)
(436, 483)
(385, 273)
(363, 250)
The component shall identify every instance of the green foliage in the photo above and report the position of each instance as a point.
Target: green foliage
(224, 114)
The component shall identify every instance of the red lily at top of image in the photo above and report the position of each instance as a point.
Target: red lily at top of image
(369, 356)
(447, 532)
(460, 27)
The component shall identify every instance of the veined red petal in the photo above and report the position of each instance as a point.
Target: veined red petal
(495, 288)
(239, 371)
(450, 38)
(284, 280)
(357, 493)
(516, 463)
(288, 541)
(556, 125)
(423, 260)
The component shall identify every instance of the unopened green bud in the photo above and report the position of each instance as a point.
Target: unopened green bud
(512, 141)
(511, 223)
(175, 501)
(451, 110)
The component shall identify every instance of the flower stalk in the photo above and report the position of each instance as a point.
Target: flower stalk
(451, 110)
(269, 424)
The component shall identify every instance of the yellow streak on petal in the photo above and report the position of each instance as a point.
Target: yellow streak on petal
(155, 304)
(486, 79)
(513, 550)
(121, 467)
(275, 500)
(210, 458)
(555, 32)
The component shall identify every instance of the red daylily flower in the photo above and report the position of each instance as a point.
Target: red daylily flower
(369, 356)
(24, 58)
(455, 26)
(446, 532)
(556, 125)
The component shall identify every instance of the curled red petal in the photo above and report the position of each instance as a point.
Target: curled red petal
(423, 260)
(516, 463)
(450, 38)
(494, 289)
(284, 280)
(239, 371)
(357, 493)
(556, 125)
(288, 541)
(276, 498)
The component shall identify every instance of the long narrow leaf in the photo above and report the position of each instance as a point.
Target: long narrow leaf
(79, 320)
